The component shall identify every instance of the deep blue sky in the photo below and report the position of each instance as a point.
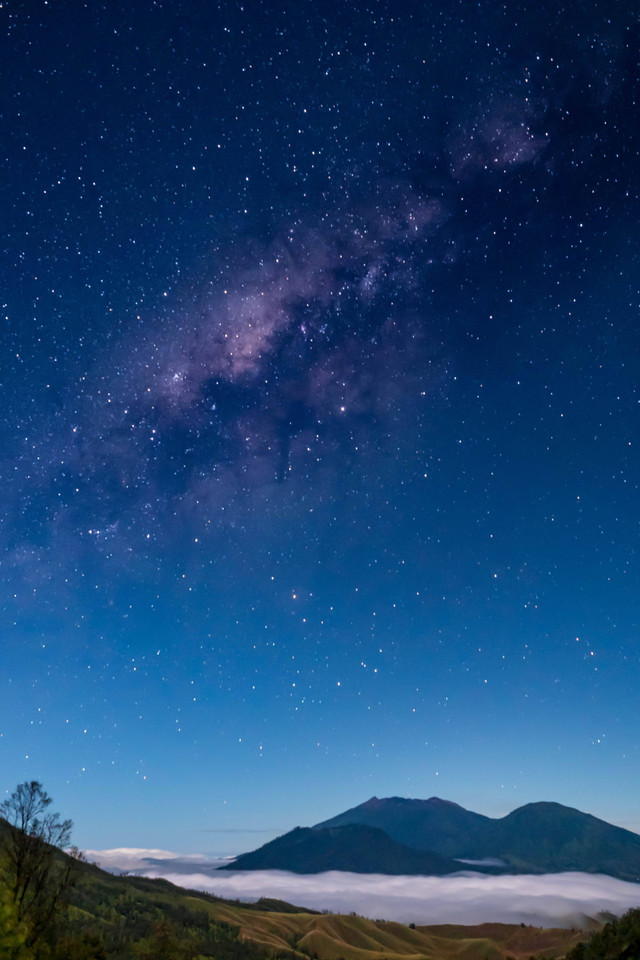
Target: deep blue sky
(320, 365)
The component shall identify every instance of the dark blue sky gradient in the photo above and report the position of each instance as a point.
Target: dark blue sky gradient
(320, 371)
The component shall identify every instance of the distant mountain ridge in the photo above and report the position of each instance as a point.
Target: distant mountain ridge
(436, 836)
(354, 847)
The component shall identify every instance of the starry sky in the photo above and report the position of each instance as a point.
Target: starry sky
(320, 410)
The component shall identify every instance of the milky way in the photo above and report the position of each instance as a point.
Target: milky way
(284, 359)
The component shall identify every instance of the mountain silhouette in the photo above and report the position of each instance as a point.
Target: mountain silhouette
(396, 835)
(355, 847)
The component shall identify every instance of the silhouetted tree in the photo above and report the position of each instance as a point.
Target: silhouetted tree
(36, 873)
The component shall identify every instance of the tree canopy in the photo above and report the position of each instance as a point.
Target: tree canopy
(36, 873)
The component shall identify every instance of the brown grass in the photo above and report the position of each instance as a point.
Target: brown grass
(334, 936)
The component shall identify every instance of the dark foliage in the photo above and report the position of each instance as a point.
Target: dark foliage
(36, 874)
(619, 939)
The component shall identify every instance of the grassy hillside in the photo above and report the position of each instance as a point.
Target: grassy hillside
(134, 918)
(128, 918)
(333, 936)
(280, 930)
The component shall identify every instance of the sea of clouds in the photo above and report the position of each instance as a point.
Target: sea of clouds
(558, 899)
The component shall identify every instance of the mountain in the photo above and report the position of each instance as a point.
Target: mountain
(536, 838)
(437, 825)
(550, 837)
(354, 847)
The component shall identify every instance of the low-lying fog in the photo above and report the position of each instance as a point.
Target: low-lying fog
(558, 899)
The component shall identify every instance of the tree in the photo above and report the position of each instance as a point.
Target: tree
(13, 934)
(37, 873)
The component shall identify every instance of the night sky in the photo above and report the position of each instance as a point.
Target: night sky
(320, 410)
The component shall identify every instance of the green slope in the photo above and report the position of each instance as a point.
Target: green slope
(134, 918)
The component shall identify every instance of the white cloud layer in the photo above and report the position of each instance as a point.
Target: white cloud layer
(560, 899)
(135, 859)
